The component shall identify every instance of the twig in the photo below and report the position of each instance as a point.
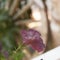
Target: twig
(13, 7)
(19, 48)
(22, 22)
(20, 12)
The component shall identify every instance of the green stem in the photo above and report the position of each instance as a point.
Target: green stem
(19, 48)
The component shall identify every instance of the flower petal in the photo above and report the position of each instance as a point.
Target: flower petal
(37, 45)
(33, 38)
(6, 54)
(24, 36)
(29, 35)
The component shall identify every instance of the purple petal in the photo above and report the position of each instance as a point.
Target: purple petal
(35, 32)
(37, 45)
(33, 38)
(24, 36)
(29, 35)
(6, 54)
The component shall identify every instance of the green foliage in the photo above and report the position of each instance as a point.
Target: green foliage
(18, 56)
(8, 32)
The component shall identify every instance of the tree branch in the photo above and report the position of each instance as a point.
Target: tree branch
(24, 9)
(22, 22)
(13, 7)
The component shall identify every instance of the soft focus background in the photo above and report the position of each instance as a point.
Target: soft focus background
(40, 15)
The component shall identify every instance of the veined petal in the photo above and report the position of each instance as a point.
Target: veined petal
(37, 45)
(33, 38)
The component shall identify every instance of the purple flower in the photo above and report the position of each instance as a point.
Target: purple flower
(33, 38)
(6, 54)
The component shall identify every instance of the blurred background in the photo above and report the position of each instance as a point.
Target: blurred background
(40, 15)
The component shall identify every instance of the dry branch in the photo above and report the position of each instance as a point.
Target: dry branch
(13, 7)
(21, 22)
(20, 12)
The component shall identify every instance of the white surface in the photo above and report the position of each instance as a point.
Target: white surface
(53, 54)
